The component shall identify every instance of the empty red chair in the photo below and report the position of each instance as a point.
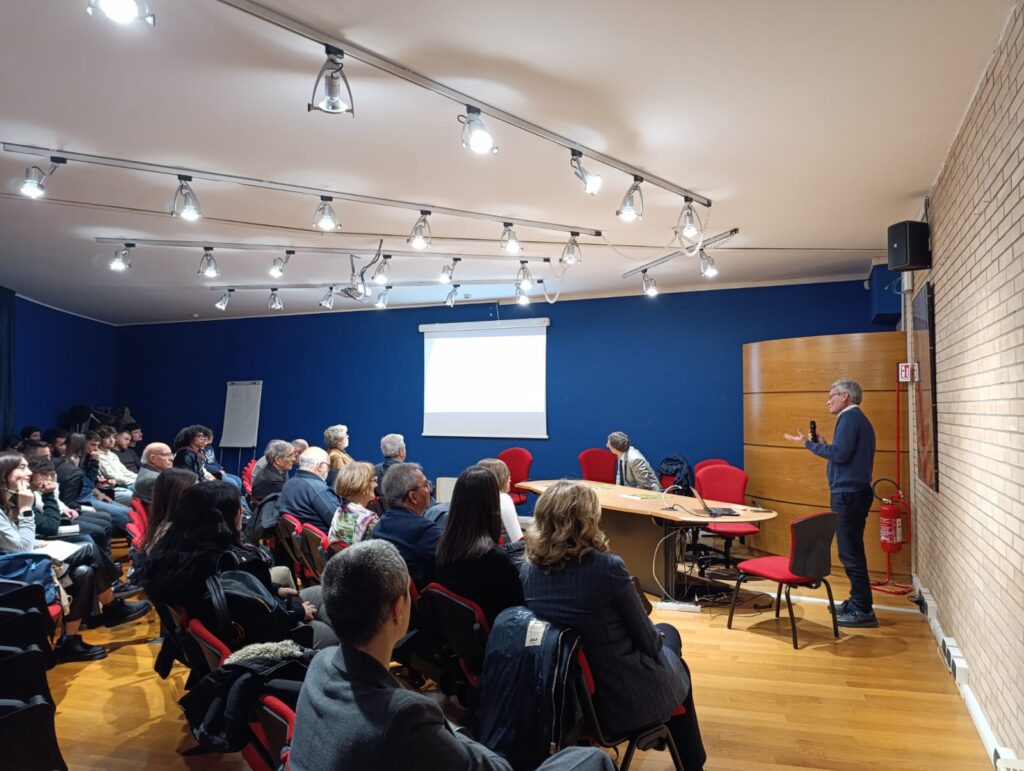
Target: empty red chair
(518, 460)
(710, 462)
(728, 484)
(247, 475)
(598, 465)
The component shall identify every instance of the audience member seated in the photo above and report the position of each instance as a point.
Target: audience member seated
(77, 487)
(631, 468)
(57, 438)
(125, 452)
(299, 446)
(170, 486)
(280, 457)
(509, 518)
(352, 713)
(31, 432)
(204, 530)
(355, 486)
(306, 495)
(335, 442)
(392, 447)
(51, 515)
(156, 458)
(572, 580)
(34, 448)
(189, 450)
(213, 466)
(469, 560)
(112, 468)
(88, 573)
(407, 493)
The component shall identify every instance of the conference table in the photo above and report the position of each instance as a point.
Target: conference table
(640, 523)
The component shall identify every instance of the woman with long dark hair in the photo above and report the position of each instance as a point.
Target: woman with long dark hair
(469, 560)
(89, 573)
(168, 489)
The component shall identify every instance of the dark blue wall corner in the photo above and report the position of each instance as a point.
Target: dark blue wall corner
(667, 370)
(60, 360)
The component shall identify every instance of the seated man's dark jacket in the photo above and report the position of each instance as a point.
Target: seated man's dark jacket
(271, 481)
(353, 714)
(308, 498)
(129, 458)
(144, 483)
(416, 539)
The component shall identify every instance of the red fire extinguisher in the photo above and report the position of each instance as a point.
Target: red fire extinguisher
(894, 519)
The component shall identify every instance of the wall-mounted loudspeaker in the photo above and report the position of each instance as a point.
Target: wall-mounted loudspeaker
(908, 246)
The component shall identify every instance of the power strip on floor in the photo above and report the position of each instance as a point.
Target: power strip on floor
(683, 607)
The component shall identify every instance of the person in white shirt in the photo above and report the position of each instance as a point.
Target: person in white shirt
(110, 465)
(509, 518)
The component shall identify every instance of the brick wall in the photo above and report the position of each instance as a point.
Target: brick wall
(969, 547)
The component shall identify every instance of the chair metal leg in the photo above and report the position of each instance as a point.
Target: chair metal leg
(735, 594)
(778, 601)
(673, 751)
(792, 618)
(628, 757)
(831, 608)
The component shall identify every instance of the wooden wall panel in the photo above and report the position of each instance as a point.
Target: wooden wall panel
(766, 417)
(812, 363)
(774, 537)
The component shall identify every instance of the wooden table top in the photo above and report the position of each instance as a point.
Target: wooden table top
(633, 500)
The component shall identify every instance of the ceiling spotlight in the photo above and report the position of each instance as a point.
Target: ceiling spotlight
(523, 277)
(521, 297)
(707, 265)
(475, 135)
(450, 299)
(591, 182)
(184, 195)
(571, 251)
(121, 263)
(509, 242)
(274, 303)
(277, 267)
(34, 185)
(382, 298)
(208, 265)
(448, 271)
(419, 238)
(382, 273)
(356, 280)
(632, 207)
(324, 217)
(689, 226)
(328, 301)
(649, 285)
(122, 11)
(222, 303)
(333, 76)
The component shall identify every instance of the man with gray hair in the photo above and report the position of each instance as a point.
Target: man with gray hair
(631, 468)
(392, 447)
(352, 713)
(155, 458)
(306, 495)
(406, 493)
(850, 459)
(279, 459)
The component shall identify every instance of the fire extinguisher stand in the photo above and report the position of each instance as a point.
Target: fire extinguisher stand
(895, 519)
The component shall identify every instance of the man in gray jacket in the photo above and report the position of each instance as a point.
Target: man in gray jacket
(353, 714)
(632, 468)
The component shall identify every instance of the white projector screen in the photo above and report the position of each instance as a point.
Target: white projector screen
(485, 379)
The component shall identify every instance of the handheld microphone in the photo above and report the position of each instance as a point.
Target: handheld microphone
(814, 431)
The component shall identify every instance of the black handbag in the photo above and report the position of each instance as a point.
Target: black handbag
(244, 609)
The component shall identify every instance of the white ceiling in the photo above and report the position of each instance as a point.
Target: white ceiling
(811, 124)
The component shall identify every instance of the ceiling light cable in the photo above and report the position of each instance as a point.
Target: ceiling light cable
(420, 236)
(632, 207)
(332, 73)
(382, 273)
(649, 285)
(591, 182)
(571, 251)
(190, 210)
(277, 267)
(324, 217)
(34, 185)
(121, 261)
(207, 264)
(509, 242)
(328, 301)
(122, 11)
(222, 303)
(475, 135)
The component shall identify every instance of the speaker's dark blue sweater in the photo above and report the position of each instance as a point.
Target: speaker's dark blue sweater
(851, 454)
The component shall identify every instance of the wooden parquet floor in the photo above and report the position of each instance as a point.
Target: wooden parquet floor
(876, 698)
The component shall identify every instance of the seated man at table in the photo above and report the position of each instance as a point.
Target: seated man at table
(632, 468)
(352, 713)
(306, 495)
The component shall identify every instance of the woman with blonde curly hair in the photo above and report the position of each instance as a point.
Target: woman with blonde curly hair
(571, 579)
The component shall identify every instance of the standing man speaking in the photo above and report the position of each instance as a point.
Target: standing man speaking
(850, 458)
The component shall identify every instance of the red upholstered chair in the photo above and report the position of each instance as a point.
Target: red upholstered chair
(808, 564)
(728, 484)
(710, 462)
(598, 465)
(139, 514)
(656, 737)
(272, 725)
(289, 534)
(518, 460)
(213, 649)
(247, 475)
(135, 533)
(313, 546)
(462, 624)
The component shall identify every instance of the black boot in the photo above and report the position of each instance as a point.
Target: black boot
(120, 611)
(74, 648)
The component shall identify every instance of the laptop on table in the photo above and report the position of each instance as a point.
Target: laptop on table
(713, 511)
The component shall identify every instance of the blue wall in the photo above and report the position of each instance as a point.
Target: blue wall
(60, 360)
(667, 370)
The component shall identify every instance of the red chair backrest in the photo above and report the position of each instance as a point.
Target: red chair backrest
(710, 462)
(810, 544)
(667, 480)
(598, 465)
(462, 623)
(276, 723)
(518, 460)
(723, 483)
(136, 533)
(247, 475)
(138, 514)
(214, 650)
(314, 546)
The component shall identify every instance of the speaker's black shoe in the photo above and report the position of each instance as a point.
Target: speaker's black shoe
(74, 648)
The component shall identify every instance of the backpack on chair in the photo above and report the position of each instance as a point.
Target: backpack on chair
(244, 610)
